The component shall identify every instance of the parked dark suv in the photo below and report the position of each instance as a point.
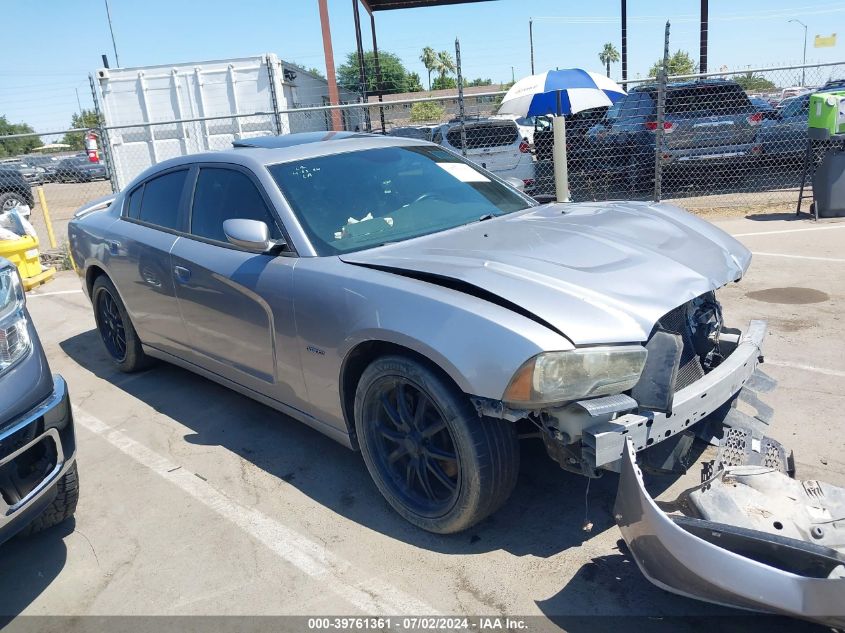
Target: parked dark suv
(38, 480)
(14, 189)
(710, 128)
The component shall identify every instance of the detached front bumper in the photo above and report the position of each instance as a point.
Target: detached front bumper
(726, 564)
(36, 450)
(603, 444)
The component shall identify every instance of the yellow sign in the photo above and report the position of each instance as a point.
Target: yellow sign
(825, 41)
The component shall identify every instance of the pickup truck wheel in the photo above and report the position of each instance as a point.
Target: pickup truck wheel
(116, 329)
(63, 506)
(440, 465)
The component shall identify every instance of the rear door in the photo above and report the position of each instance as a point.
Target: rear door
(139, 258)
(709, 115)
(493, 145)
(236, 305)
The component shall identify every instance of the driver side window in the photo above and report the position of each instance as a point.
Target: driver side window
(223, 194)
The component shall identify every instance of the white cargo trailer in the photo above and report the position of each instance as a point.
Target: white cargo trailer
(153, 113)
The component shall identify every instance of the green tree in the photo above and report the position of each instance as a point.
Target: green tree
(429, 60)
(17, 146)
(394, 77)
(426, 111)
(86, 119)
(754, 83)
(445, 65)
(609, 55)
(478, 82)
(442, 83)
(414, 83)
(679, 64)
(313, 69)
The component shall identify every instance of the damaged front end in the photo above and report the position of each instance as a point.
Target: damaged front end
(749, 536)
(695, 370)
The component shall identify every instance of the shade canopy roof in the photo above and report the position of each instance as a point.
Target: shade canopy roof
(389, 5)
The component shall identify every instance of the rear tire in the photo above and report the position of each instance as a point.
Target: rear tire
(116, 329)
(63, 506)
(443, 468)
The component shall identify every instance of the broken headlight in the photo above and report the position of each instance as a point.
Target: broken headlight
(14, 336)
(554, 377)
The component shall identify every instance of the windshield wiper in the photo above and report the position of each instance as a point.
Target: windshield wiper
(488, 216)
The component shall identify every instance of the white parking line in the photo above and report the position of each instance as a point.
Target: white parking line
(371, 595)
(817, 259)
(813, 368)
(78, 291)
(780, 232)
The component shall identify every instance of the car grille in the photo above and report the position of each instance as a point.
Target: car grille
(689, 369)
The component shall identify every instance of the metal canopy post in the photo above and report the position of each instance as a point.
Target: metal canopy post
(379, 86)
(624, 44)
(702, 64)
(362, 78)
(461, 112)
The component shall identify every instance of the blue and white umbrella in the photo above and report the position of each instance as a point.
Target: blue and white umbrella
(559, 93)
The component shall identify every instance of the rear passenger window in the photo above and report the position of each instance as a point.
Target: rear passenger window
(636, 104)
(480, 136)
(133, 206)
(160, 202)
(226, 194)
(708, 100)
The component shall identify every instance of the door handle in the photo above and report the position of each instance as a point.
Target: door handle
(114, 246)
(182, 274)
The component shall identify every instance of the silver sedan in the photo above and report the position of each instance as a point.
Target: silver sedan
(409, 304)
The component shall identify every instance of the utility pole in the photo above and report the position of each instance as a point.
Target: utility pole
(702, 64)
(78, 102)
(111, 30)
(513, 77)
(531, 40)
(804, 62)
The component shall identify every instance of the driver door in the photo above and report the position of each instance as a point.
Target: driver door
(236, 304)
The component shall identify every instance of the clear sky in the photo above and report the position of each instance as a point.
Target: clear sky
(61, 40)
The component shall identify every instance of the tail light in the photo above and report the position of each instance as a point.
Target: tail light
(527, 182)
(651, 126)
(524, 147)
(755, 119)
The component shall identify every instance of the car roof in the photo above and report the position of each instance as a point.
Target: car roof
(302, 138)
(690, 83)
(270, 150)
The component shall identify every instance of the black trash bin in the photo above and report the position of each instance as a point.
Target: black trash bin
(829, 184)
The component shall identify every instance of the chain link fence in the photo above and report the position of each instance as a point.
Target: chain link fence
(51, 179)
(733, 139)
(720, 140)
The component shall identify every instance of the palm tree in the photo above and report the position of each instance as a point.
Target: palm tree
(429, 60)
(445, 64)
(609, 55)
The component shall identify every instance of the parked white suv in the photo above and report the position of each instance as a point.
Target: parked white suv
(495, 144)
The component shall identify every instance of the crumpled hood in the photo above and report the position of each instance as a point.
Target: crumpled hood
(598, 272)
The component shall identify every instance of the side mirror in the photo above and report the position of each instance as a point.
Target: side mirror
(516, 183)
(251, 235)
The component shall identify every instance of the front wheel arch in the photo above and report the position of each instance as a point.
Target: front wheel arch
(358, 359)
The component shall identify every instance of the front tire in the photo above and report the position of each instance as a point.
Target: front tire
(63, 506)
(440, 465)
(116, 329)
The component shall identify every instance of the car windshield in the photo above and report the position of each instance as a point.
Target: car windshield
(358, 200)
